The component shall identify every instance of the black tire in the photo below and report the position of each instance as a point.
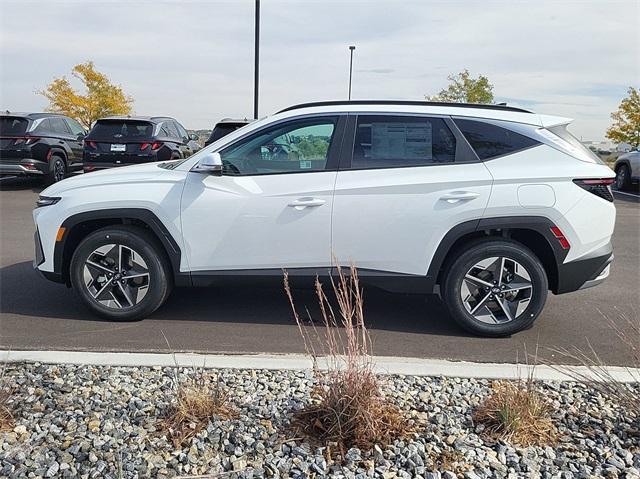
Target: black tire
(623, 177)
(159, 282)
(471, 255)
(57, 170)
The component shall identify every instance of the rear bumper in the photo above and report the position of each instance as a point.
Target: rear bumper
(586, 272)
(25, 167)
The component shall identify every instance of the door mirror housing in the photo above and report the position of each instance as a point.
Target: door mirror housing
(81, 136)
(210, 164)
(193, 137)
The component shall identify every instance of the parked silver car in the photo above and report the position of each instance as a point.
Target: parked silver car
(627, 170)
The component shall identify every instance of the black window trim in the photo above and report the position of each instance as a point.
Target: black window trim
(489, 121)
(335, 148)
(463, 148)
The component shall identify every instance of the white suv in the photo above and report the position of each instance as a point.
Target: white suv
(490, 205)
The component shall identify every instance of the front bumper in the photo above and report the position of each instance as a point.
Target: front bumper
(585, 272)
(25, 167)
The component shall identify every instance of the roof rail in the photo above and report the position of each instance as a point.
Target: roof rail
(502, 107)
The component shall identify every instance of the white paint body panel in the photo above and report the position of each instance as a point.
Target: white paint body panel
(544, 165)
(394, 219)
(246, 222)
(142, 186)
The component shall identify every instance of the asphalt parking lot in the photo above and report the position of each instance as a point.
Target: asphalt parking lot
(37, 314)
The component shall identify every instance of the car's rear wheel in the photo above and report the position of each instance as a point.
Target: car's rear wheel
(623, 178)
(57, 170)
(495, 288)
(120, 273)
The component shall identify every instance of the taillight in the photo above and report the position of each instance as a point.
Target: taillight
(91, 144)
(144, 146)
(600, 187)
(156, 145)
(564, 242)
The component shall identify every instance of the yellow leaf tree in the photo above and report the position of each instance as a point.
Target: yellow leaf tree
(626, 121)
(101, 97)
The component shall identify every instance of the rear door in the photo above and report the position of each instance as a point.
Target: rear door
(408, 180)
(76, 139)
(120, 142)
(271, 208)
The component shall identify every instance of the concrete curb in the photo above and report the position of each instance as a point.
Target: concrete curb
(383, 364)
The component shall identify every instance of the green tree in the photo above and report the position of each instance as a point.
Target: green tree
(101, 97)
(465, 89)
(626, 121)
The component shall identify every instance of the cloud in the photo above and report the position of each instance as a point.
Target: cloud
(194, 59)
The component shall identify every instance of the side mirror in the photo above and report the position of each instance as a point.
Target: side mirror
(81, 136)
(193, 137)
(210, 164)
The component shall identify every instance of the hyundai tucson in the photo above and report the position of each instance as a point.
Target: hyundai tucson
(490, 206)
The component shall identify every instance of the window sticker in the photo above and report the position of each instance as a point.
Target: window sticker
(305, 164)
(401, 141)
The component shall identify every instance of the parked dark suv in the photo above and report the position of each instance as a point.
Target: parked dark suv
(46, 145)
(124, 140)
(224, 127)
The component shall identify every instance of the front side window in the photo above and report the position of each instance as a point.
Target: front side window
(182, 133)
(490, 141)
(383, 141)
(76, 128)
(298, 146)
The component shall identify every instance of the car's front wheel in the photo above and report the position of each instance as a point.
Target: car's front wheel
(495, 288)
(120, 273)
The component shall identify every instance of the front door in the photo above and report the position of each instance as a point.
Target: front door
(271, 208)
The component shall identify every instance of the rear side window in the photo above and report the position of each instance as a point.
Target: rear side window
(385, 141)
(58, 125)
(13, 126)
(490, 141)
(122, 130)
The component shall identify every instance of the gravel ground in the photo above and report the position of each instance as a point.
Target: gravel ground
(86, 421)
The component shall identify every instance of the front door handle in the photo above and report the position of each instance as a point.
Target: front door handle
(302, 203)
(457, 196)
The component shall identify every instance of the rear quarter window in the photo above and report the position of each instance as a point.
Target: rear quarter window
(490, 141)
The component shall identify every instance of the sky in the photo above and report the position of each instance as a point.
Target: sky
(193, 60)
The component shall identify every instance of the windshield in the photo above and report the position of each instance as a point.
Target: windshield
(122, 130)
(13, 126)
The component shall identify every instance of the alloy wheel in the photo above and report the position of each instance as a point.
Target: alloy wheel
(116, 276)
(58, 170)
(621, 178)
(496, 290)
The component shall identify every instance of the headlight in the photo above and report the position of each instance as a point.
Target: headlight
(47, 201)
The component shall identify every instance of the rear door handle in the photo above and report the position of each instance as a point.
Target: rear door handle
(457, 196)
(302, 203)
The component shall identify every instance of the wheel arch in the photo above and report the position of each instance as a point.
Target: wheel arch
(534, 232)
(80, 225)
(620, 163)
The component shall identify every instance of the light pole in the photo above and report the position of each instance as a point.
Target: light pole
(351, 48)
(256, 65)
